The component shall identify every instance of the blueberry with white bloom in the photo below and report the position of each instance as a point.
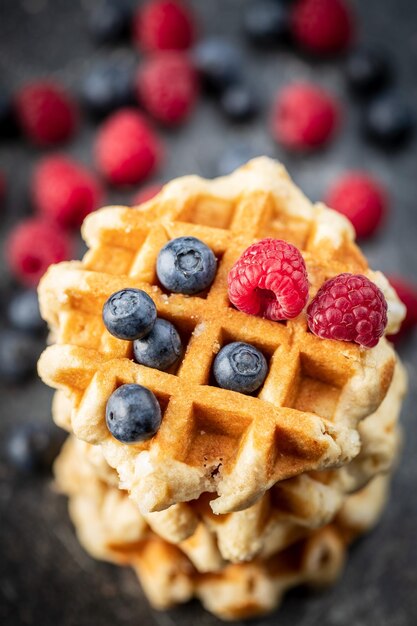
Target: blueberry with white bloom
(133, 414)
(186, 265)
(129, 314)
(240, 367)
(161, 348)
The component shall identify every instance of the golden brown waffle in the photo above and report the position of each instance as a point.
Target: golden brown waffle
(292, 507)
(110, 527)
(212, 440)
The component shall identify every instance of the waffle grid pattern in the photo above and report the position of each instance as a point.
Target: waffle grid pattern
(212, 439)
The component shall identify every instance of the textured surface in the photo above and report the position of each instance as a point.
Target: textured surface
(45, 577)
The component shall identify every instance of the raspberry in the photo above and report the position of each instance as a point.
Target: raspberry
(361, 199)
(146, 193)
(348, 307)
(46, 113)
(304, 117)
(407, 293)
(269, 280)
(167, 86)
(126, 148)
(322, 26)
(32, 246)
(64, 191)
(163, 25)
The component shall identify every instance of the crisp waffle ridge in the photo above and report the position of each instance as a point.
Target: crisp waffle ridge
(290, 509)
(306, 415)
(109, 527)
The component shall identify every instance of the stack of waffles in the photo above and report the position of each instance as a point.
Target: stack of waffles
(237, 498)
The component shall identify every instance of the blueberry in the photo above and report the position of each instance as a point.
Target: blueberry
(19, 354)
(34, 447)
(108, 86)
(23, 312)
(238, 103)
(133, 414)
(240, 367)
(388, 121)
(233, 157)
(367, 71)
(109, 20)
(129, 314)
(219, 63)
(266, 22)
(186, 265)
(8, 122)
(161, 348)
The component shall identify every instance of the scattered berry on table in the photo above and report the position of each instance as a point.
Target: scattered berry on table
(127, 149)
(407, 293)
(349, 307)
(146, 193)
(133, 414)
(32, 246)
(269, 280)
(238, 103)
(161, 348)
(109, 21)
(186, 265)
(46, 113)
(219, 63)
(8, 122)
(240, 367)
(163, 25)
(129, 314)
(266, 22)
(65, 191)
(23, 312)
(388, 121)
(233, 157)
(322, 26)
(34, 447)
(19, 353)
(361, 198)
(367, 70)
(167, 87)
(107, 86)
(304, 117)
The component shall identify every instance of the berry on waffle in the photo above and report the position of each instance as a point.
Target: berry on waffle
(305, 415)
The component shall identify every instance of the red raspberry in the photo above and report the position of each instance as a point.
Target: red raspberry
(167, 86)
(269, 280)
(126, 148)
(407, 293)
(163, 25)
(361, 199)
(304, 117)
(64, 191)
(46, 113)
(322, 26)
(348, 307)
(146, 193)
(31, 248)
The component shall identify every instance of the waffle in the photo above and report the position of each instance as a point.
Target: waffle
(305, 416)
(285, 514)
(110, 527)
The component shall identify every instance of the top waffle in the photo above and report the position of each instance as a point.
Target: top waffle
(306, 414)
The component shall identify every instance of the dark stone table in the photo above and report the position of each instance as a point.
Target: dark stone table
(45, 576)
